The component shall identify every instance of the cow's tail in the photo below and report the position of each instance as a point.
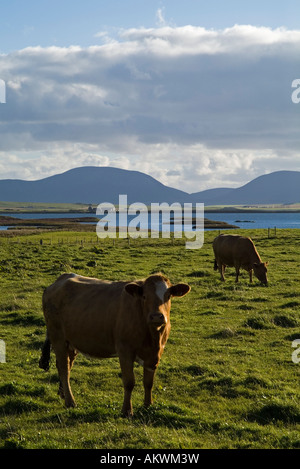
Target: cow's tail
(44, 362)
(215, 265)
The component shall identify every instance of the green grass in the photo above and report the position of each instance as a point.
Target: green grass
(40, 207)
(226, 378)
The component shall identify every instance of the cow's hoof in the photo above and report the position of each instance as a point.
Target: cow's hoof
(70, 404)
(127, 414)
(44, 364)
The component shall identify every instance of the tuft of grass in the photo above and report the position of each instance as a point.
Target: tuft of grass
(224, 333)
(284, 320)
(15, 406)
(274, 413)
(258, 322)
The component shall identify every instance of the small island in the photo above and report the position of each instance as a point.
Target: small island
(207, 224)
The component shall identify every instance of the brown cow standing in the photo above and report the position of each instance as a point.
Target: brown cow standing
(103, 319)
(239, 252)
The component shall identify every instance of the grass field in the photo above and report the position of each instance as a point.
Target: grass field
(226, 378)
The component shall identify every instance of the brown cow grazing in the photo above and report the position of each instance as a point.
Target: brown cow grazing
(104, 319)
(239, 252)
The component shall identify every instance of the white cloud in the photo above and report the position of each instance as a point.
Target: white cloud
(195, 108)
(194, 40)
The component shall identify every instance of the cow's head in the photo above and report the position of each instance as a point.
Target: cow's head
(155, 293)
(260, 271)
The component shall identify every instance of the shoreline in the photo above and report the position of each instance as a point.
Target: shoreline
(224, 210)
(76, 222)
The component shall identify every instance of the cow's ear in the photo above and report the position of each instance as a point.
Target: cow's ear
(134, 289)
(180, 289)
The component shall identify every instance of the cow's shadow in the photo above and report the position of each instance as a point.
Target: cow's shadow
(161, 415)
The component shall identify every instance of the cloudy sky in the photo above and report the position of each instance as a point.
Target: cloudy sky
(197, 94)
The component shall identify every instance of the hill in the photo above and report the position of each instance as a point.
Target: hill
(104, 184)
(91, 185)
(280, 187)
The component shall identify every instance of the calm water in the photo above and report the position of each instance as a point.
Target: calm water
(258, 220)
(242, 220)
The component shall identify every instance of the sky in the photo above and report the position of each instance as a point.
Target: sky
(197, 94)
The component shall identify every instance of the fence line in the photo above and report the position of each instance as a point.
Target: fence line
(94, 239)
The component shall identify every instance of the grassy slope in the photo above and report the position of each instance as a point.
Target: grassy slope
(226, 379)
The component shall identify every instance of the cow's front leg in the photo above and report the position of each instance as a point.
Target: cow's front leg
(222, 272)
(148, 385)
(128, 383)
(250, 275)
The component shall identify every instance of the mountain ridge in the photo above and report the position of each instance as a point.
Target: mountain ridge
(278, 187)
(92, 184)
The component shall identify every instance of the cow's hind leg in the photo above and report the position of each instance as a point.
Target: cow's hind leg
(237, 273)
(220, 267)
(221, 270)
(64, 361)
(71, 355)
(44, 362)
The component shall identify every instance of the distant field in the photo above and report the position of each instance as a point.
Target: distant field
(38, 207)
(33, 207)
(251, 208)
(226, 379)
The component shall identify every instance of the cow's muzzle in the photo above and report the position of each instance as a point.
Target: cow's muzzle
(157, 319)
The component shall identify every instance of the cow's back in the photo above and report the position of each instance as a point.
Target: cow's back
(85, 311)
(230, 249)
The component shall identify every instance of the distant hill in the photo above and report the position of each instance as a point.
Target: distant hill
(104, 184)
(211, 195)
(280, 187)
(91, 184)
